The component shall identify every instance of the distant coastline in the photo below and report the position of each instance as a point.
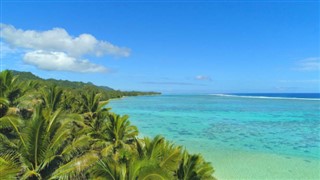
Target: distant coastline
(106, 91)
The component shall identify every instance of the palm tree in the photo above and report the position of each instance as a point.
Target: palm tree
(9, 87)
(9, 166)
(92, 105)
(52, 98)
(10, 92)
(29, 94)
(4, 105)
(109, 169)
(111, 133)
(9, 139)
(48, 148)
(194, 167)
(165, 153)
(153, 159)
(120, 132)
(71, 102)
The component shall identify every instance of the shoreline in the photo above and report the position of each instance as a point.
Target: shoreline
(118, 98)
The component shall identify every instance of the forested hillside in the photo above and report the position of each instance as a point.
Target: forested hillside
(106, 92)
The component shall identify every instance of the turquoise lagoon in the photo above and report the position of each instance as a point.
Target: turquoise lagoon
(243, 137)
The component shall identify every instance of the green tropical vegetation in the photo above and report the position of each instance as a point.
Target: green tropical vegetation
(77, 87)
(54, 131)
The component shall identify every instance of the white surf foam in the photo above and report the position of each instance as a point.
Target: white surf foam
(265, 97)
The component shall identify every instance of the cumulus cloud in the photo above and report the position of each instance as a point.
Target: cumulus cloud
(203, 78)
(58, 39)
(60, 61)
(309, 64)
(55, 48)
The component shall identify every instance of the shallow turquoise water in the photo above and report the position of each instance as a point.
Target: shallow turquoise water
(286, 127)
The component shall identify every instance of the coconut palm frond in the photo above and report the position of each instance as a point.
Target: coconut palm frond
(75, 166)
(153, 172)
(75, 147)
(9, 166)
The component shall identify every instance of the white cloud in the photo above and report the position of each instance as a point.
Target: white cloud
(59, 61)
(56, 49)
(309, 64)
(203, 78)
(58, 39)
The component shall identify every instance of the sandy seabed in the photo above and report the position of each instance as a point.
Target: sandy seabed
(256, 166)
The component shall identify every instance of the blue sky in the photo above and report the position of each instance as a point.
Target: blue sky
(180, 47)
